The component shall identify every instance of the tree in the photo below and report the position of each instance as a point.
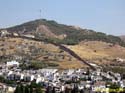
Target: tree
(22, 88)
(53, 91)
(31, 89)
(38, 90)
(75, 89)
(2, 79)
(18, 90)
(27, 89)
(81, 91)
(67, 90)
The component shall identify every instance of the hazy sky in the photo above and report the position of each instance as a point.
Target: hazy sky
(100, 15)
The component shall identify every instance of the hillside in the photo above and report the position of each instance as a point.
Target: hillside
(94, 50)
(123, 37)
(104, 54)
(60, 33)
(26, 50)
(41, 48)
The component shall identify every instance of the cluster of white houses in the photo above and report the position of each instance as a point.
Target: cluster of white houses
(94, 80)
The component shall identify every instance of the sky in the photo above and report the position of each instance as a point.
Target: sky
(106, 16)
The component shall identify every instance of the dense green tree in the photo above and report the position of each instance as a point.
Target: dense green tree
(53, 91)
(22, 88)
(27, 89)
(2, 79)
(38, 90)
(114, 86)
(33, 88)
(18, 90)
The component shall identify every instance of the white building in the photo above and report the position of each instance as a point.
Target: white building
(12, 63)
(30, 36)
(38, 79)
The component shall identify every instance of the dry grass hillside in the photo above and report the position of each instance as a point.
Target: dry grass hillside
(14, 48)
(99, 52)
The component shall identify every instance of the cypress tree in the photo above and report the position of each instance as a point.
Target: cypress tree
(18, 90)
(53, 91)
(22, 88)
(27, 89)
(31, 89)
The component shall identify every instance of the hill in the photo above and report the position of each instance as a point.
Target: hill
(110, 57)
(28, 51)
(123, 37)
(96, 50)
(60, 33)
(94, 47)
